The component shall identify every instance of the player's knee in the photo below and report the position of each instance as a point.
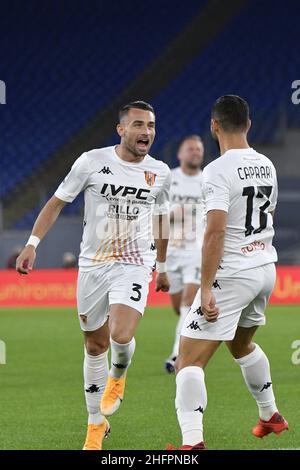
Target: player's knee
(121, 337)
(96, 347)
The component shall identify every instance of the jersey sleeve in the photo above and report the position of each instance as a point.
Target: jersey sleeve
(216, 189)
(162, 200)
(75, 181)
(274, 194)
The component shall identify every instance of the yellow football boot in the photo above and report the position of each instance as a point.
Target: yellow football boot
(113, 395)
(95, 435)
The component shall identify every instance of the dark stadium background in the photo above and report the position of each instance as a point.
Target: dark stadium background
(66, 66)
(69, 65)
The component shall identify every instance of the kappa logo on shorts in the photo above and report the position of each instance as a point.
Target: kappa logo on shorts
(198, 311)
(194, 326)
(199, 409)
(266, 386)
(216, 284)
(150, 178)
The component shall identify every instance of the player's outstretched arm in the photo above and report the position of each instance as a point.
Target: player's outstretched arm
(43, 223)
(161, 234)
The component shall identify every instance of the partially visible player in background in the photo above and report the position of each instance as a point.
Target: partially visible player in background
(126, 194)
(237, 275)
(183, 259)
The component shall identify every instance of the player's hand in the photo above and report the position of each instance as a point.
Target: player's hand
(162, 282)
(25, 260)
(208, 306)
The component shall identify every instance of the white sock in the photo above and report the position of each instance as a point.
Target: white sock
(95, 373)
(256, 371)
(121, 355)
(183, 313)
(190, 403)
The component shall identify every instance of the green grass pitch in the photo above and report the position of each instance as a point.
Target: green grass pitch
(41, 390)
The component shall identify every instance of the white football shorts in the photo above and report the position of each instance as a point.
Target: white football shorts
(110, 283)
(242, 300)
(183, 268)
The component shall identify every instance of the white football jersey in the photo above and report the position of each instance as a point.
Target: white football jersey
(187, 227)
(119, 200)
(243, 183)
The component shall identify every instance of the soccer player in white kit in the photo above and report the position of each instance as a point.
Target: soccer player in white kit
(237, 276)
(124, 190)
(183, 266)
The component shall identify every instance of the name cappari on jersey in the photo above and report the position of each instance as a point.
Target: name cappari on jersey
(243, 183)
(187, 227)
(119, 200)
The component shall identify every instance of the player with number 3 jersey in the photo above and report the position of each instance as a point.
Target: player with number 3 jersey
(125, 230)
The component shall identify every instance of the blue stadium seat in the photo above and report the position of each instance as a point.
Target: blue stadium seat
(64, 62)
(73, 68)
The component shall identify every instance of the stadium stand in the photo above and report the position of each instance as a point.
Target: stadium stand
(62, 89)
(67, 97)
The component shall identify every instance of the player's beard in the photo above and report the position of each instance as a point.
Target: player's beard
(193, 166)
(131, 147)
(135, 152)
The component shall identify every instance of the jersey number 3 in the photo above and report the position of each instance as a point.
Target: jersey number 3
(262, 191)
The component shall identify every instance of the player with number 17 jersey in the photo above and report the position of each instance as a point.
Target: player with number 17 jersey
(243, 183)
(237, 275)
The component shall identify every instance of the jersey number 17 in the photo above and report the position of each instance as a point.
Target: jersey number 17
(262, 191)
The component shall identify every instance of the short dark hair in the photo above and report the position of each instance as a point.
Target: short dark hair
(190, 137)
(133, 105)
(232, 113)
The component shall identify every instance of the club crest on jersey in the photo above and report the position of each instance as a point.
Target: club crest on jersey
(150, 178)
